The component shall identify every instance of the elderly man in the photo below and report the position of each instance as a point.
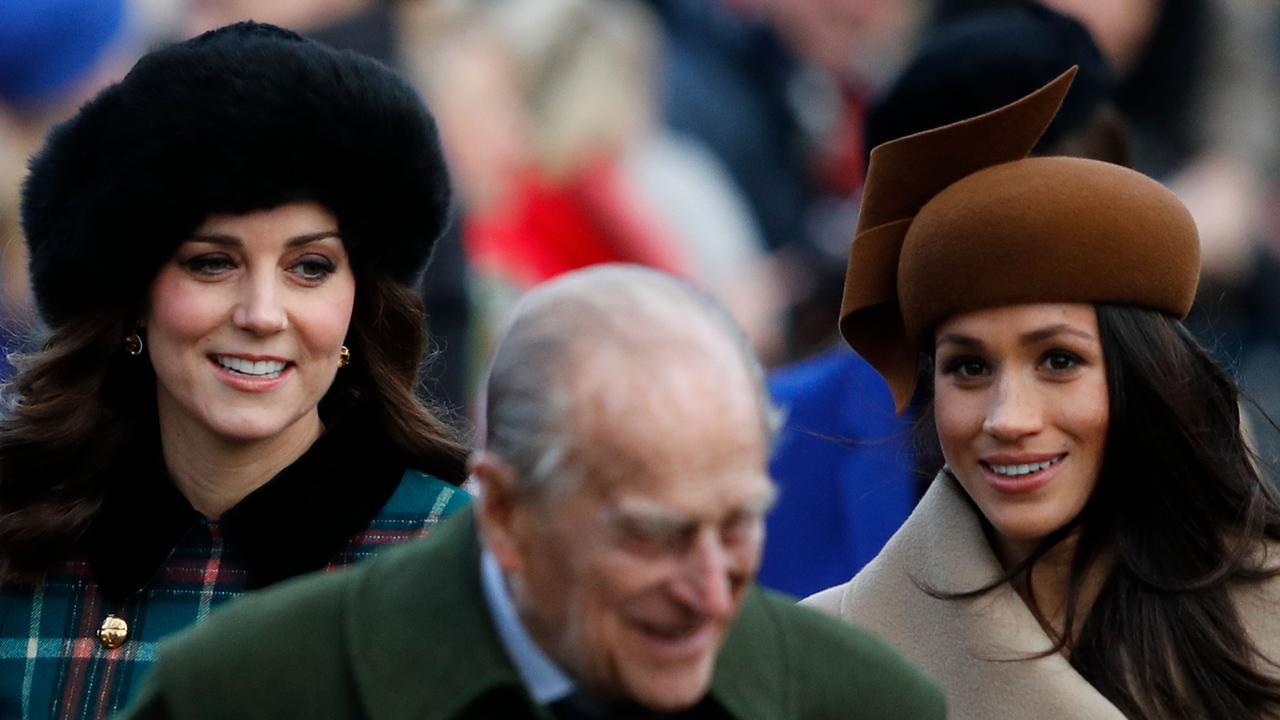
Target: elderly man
(607, 571)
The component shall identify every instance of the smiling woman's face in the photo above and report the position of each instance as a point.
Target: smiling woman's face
(245, 323)
(1021, 407)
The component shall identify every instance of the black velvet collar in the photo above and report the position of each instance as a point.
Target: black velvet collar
(293, 524)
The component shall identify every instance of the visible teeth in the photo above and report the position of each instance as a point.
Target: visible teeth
(1023, 469)
(257, 368)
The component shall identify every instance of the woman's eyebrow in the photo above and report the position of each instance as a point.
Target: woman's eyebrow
(215, 239)
(233, 241)
(1050, 331)
(311, 237)
(958, 339)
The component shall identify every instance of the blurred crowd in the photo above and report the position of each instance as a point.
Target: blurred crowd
(721, 140)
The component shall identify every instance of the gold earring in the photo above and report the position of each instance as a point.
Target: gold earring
(344, 356)
(133, 344)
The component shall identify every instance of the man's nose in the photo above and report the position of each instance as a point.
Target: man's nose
(1015, 410)
(705, 584)
(260, 309)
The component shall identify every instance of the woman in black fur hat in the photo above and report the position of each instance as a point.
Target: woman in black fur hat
(224, 246)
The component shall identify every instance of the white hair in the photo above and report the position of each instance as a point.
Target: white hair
(609, 315)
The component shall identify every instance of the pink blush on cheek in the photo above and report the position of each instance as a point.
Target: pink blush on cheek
(182, 306)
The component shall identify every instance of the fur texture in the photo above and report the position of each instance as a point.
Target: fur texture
(242, 118)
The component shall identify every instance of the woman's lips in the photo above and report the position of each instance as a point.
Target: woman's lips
(1021, 474)
(247, 382)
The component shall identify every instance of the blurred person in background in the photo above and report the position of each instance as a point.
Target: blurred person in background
(777, 91)
(224, 246)
(849, 468)
(1099, 542)
(572, 206)
(385, 31)
(561, 164)
(54, 54)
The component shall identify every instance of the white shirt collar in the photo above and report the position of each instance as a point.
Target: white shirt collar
(545, 681)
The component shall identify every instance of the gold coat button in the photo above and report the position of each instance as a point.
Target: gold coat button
(113, 633)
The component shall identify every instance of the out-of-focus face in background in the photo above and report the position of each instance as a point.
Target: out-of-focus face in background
(203, 15)
(473, 87)
(1120, 27)
(861, 41)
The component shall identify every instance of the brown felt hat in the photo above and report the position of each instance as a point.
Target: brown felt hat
(958, 219)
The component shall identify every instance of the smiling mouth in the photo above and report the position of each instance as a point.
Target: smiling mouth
(680, 640)
(1022, 469)
(265, 369)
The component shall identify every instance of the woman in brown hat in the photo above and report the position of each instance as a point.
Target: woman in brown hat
(224, 247)
(1099, 543)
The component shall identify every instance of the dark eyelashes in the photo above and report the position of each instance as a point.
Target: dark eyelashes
(1058, 354)
(954, 365)
(311, 267)
(207, 263)
(323, 264)
(1056, 359)
(315, 268)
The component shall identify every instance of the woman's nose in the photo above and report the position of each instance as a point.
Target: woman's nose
(1015, 410)
(260, 309)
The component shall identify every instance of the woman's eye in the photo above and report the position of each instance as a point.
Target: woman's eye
(1061, 360)
(209, 265)
(314, 269)
(966, 367)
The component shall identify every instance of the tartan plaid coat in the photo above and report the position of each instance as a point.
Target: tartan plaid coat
(154, 562)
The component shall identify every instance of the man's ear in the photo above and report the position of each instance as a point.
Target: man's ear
(497, 509)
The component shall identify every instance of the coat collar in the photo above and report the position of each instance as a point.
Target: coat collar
(968, 646)
(294, 523)
(424, 647)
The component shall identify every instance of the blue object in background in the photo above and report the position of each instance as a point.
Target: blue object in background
(47, 46)
(845, 471)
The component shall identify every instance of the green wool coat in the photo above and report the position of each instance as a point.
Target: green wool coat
(408, 636)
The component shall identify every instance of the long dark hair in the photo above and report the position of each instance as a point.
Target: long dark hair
(1183, 517)
(78, 405)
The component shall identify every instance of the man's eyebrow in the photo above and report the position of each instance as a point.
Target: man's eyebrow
(641, 512)
(765, 502)
(636, 513)
(293, 242)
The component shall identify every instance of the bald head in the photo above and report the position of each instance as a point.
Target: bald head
(594, 347)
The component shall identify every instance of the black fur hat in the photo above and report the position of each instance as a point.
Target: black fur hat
(242, 118)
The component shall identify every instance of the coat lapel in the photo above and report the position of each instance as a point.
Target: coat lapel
(748, 680)
(971, 647)
(422, 644)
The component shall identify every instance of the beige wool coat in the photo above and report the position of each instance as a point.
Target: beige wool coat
(960, 642)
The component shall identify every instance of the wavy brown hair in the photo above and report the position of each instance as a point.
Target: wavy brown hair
(78, 404)
(1184, 519)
